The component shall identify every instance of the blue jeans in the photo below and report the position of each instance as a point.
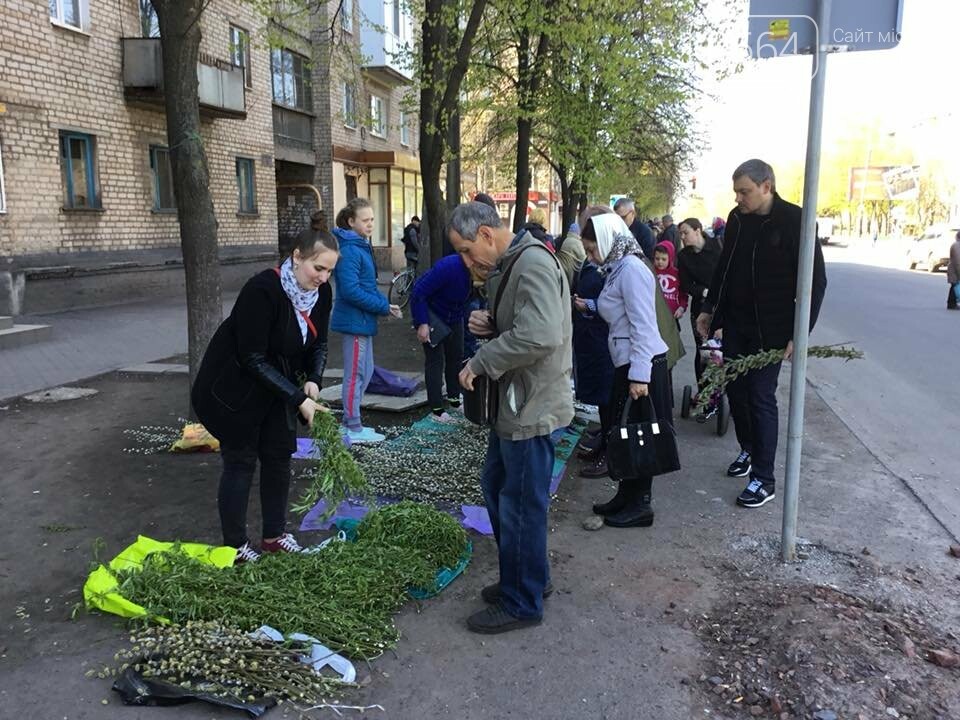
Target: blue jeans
(516, 488)
(753, 406)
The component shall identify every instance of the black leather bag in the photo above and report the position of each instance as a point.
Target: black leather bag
(643, 449)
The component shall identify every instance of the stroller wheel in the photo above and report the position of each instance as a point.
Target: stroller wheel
(723, 415)
(685, 403)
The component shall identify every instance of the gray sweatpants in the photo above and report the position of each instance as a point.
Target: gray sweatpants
(357, 372)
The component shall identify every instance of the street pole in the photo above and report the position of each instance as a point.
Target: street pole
(801, 325)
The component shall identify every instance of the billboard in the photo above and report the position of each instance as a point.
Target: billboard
(884, 182)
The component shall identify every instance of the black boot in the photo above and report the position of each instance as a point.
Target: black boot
(637, 512)
(618, 501)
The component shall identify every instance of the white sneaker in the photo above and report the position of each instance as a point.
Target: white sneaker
(364, 435)
(445, 417)
(246, 554)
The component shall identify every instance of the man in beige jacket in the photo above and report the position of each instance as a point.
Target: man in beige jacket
(530, 356)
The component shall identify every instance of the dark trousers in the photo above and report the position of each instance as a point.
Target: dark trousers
(239, 465)
(698, 340)
(753, 405)
(952, 296)
(605, 424)
(412, 265)
(516, 489)
(660, 395)
(443, 362)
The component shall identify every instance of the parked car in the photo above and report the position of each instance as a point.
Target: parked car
(932, 249)
(824, 229)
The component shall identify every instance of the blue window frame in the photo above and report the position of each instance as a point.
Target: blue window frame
(246, 186)
(78, 170)
(163, 198)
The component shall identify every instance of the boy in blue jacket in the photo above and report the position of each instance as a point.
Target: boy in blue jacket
(437, 303)
(355, 311)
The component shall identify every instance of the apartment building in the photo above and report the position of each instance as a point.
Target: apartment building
(344, 124)
(84, 165)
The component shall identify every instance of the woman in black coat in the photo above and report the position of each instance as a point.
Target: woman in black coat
(250, 386)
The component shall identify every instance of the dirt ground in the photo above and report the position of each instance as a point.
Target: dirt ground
(692, 618)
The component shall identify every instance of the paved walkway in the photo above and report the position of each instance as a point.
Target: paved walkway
(92, 341)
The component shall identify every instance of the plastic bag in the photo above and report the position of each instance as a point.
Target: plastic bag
(384, 382)
(135, 689)
(195, 438)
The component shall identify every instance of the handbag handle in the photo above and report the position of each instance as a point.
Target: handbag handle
(626, 412)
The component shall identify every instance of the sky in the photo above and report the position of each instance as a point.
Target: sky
(762, 112)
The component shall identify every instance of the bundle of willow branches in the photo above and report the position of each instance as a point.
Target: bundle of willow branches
(716, 377)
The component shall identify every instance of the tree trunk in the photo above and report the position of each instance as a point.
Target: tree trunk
(453, 164)
(528, 85)
(569, 215)
(179, 22)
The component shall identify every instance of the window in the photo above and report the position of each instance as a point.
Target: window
(149, 25)
(3, 197)
(163, 199)
(79, 172)
(380, 200)
(240, 52)
(346, 16)
(350, 105)
(291, 80)
(393, 13)
(404, 129)
(246, 186)
(71, 13)
(377, 124)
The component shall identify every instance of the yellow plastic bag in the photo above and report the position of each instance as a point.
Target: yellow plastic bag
(196, 438)
(100, 589)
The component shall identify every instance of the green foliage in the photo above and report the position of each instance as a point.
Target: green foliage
(717, 377)
(335, 476)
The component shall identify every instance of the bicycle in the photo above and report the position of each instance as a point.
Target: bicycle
(401, 286)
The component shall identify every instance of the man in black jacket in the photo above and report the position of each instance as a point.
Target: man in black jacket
(752, 299)
(627, 210)
(411, 243)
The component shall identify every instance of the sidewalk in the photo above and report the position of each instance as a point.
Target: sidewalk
(92, 341)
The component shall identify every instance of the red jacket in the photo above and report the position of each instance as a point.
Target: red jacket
(669, 279)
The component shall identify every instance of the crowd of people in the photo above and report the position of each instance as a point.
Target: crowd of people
(600, 304)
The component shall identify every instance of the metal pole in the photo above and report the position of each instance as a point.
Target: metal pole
(801, 326)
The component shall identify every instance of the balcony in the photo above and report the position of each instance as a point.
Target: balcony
(293, 135)
(383, 43)
(220, 83)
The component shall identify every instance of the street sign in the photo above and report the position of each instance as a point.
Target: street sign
(789, 27)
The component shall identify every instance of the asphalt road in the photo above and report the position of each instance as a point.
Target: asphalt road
(903, 399)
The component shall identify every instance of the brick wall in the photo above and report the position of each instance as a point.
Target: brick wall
(57, 79)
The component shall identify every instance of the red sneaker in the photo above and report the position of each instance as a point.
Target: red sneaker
(285, 543)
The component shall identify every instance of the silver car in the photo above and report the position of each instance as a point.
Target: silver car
(932, 249)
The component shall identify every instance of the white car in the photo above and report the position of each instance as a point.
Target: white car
(932, 249)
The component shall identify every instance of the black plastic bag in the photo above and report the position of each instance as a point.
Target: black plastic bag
(135, 689)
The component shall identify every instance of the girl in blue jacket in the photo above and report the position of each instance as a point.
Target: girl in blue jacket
(355, 311)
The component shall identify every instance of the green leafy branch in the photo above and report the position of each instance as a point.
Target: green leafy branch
(716, 377)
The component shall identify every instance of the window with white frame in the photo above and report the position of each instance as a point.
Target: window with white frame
(149, 24)
(3, 197)
(163, 198)
(70, 13)
(349, 105)
(240, 52)
(78, 168)
(404, 128)
(378, 124)
(346, 16)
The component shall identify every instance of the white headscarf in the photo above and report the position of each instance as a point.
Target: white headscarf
(614, 239)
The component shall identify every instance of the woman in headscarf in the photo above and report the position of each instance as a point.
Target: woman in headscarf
(628, 305)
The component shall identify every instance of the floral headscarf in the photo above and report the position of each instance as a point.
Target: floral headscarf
(614, 240)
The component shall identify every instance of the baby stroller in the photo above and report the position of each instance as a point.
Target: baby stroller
(711, 353)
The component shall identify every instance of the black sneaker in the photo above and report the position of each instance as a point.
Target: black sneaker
(495, 619)
(491, 593)
(740, 467)
(756, 494)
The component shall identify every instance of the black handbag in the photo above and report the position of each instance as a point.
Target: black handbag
(439, 330)
(642, 449)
